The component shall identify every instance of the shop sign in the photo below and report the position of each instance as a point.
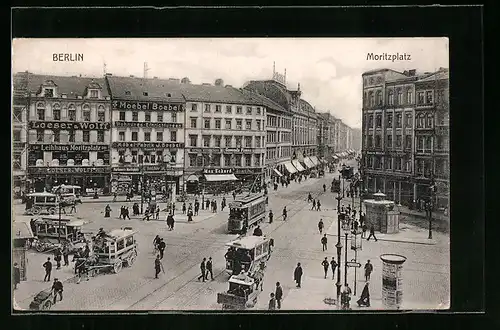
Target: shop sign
(218, 171)
(205, 150)
(233, 150)
(69, 147)
(149, 145)
(70, 125)
(125, 169)
(148, 105)
(147, 124)
(67, 170)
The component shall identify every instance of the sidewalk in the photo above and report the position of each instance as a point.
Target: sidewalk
(435, 215)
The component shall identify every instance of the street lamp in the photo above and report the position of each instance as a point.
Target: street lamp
(58, 192)
(142, 187)
(339, 247)
(356, 245)
(432, 189)
(345, 227)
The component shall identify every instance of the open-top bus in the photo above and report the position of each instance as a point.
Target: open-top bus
(248, 254)
(245, 212)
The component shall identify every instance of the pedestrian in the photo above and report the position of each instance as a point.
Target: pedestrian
(355, 226)
(203, 270)
(297, 274)
(196, 207)
(161, 247)
(207, 204)
(48, 270)
(122, 212)
(309, 198)
(364, 300)
(156, 241)
(57, 287)
(223, 204)
(324, 242)
(372, 233)
(284, 213)
(158, 213)
(114, 196)
(354, 213)
(65, 254)
(325, 264)
(107, 211)
(16, 274)
(333, 266)
(126, 213)
(209, 269)
(190, 215)
(278, 294)
(257, 231)
(215, 206)
(73, 208)
(184, 208)
(321, 226)
(271, 215)
(348, 208)
(234, 194)
(368, 270)
(272, 302)
(57, 258)
(318, 206)
(363, 232)
(146, 215)
(158, 266)
(324, 187)
(314, 205)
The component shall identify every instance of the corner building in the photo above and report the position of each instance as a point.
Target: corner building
(147, 134)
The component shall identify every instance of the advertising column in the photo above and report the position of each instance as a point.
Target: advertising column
(392, 280)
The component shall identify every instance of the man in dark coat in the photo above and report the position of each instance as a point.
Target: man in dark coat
(333, 265)
(158, 266)
(58, 258)
(272, 302)
(223, 203)
(16, 273)
(297, 275)
(48, 270)
(314, 205)
(57, 287)
(324, 187)
(324, 242)
(372, 233)
(161, 247)
(318, 206)
(203, 270)
(321, 226)
(209, 269)
(364, 300)
(190, 215)
(65, 253)
(257, 231)
(271, 215)
(284, 213)
(368, 270)
(278, 294)
(196, 207)
(325, 265)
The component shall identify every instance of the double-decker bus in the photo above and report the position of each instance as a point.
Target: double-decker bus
(245, 212)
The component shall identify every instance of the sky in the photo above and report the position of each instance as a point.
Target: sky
(328, 69)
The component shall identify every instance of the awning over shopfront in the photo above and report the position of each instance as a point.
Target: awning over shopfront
(309, 163)
(290, 168)
(192, 178)
(297, 165)
(278, 173)
(220, 177)
(314, 160)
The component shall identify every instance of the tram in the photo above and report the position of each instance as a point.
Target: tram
(245, 212)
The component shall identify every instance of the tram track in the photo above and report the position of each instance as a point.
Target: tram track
(302, 197)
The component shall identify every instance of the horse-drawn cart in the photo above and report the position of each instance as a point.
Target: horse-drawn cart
(42, 301)
(52, 232)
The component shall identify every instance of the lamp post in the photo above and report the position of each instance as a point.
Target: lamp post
(142, 187)
(203, 183)
(345, 262)
(339, 248)
(58, 192)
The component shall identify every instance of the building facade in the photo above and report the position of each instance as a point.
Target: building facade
(147, 150)
(225, 135)
(327, 146)
(20, 109)
(397, 148)
(69, 132)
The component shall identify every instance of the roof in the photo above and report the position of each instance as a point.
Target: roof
(306, 106)
(241, 278)
(221, 94)
(120, 233)
(443, 74)
(70, 85)
(267, 102)
(157, 89)
(21, 230)
(248, 242)
(272, 90)
(41, 194)
(379, 70)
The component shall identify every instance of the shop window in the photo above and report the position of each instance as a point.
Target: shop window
(86, 112)
(56, 136)
(193, 122)
(71, 136)
(135, 116)
(217, 123)
(101, 114)
(229, 109)
(248, 124)
(239, 110)
(104, 155)
(159, 136)
(147, 116)
(121, 156)
(121, 136)
(228, 123)
(150, 158)
(173, 156)
(239, 124)
(173, 136)
(216, 159)
(248, 141)
(218, 108)
(159, 117)
(206, 123)
(193, 140)
(100, 136)
(135, 136)
(147, 136)
(218, 140)
(228, 140)
(40, 134)
(140, 159)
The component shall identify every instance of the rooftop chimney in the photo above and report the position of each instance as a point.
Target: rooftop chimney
(131, 76)
(207, 84)
(185, 80)
(155, 77)
(228, 86)
(406, 73)
(219, 82)
(412, 72)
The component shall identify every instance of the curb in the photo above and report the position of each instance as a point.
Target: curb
(396, 241)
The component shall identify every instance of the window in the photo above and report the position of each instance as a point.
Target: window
(398, 120)
(122, 115)
(257, 160)
(206, 123)
(409, 120)
(217, 124)
(94, 94)
(408, 142)
(389, 121)
(378, 121)
(248, 160)
(428, 143)
(193, 140)
(147, 136)
(420, 144)
(207, 107)
(378, 143)
(409, 96)
(400, 97)
(258, 121)
(135, 136)
(159, 117)
(420, 121)
(147, 116)
(159, 136)
(121, 136)
(420, 97)
(218, 108)
(248, 124)
(391, 97)
(16, 136)
(237, 160)
(257, 142)
(193, 122)
(227, 160)
(127, 93)
(56, 136)
(398, 163)
(40, 111)
(49, 92)
(192, 160)
(249, 110)
(388, 163)
(173, 156)
(218, 140)
(174, 117)
(370, 121)
(228, 141)
(86, 112)
(101, 114)
(206, 140)
(173, 136)
(430, 121)
(194, 107)
(239, 110)
(228, 123)
(238, 141)
(399, 141)
(86, 136)
(372, 99)
(379, 97)
(389, 141)
(71, 137)
(229, 109)
(239, 124)
(145, 93)
(100, 136)
(248, 141)
(429, 97)
(135, 116)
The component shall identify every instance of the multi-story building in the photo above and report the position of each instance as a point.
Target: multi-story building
(148, 118)
(69, 132)
(225, 135)
(393, 160)
(20, 108)
(356, 139)
(327, 136)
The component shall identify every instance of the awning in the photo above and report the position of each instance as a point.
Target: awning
(220, 177)
(290, 168)
(278, 173)
(309, 163)
(192, 177)
(314, 160)
(297, 165)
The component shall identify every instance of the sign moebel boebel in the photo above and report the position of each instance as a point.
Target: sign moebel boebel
(147, 105)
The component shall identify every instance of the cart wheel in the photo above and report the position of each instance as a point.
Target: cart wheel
(131, 259)
(40, 246)
(36, 210)
(52, 210)
(117, 267)
(46, 305)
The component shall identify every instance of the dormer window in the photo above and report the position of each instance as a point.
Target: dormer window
(127, 92)
(94, 94)
(169, 95)
(145, 93)
(48, 92)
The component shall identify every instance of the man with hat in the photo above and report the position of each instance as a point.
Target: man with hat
(57, 287)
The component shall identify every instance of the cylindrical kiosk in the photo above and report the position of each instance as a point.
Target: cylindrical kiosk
(392, 280)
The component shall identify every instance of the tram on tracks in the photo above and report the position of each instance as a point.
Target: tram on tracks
(245, 212)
